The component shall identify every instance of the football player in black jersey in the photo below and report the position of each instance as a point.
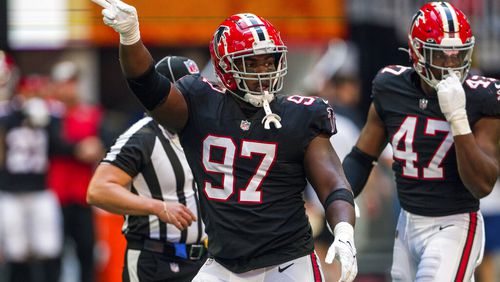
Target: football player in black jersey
(251, 151)
(444, 127)
(30, 220)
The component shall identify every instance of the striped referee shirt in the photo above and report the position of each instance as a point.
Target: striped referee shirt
(154, 158)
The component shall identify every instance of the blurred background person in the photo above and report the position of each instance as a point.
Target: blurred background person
(69, 176)
(335, 77)
(9, 73)
(9, 76)
(29, 212)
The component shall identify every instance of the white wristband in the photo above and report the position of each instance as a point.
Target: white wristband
(460, 124)
(460, 128)
(343, 228)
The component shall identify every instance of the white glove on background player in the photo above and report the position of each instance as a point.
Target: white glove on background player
(344, 251)
(122, 18)
(451, 97)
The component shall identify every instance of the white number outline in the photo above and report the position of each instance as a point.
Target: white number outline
(297, 99)
(392, 69)
(475, 81)
(434, 170)
(406, 132)
(219, 193)
(252, 192)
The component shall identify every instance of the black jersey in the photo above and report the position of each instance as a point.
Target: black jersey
(427, 177)
(251, 179)
(25, 150)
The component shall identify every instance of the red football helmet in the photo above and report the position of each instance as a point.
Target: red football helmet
(239, 37)
(440, 39)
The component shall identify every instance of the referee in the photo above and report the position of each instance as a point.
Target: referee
(145, 176)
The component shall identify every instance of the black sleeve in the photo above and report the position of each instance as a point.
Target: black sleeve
(377, 92)
(151, 88)
(491, 104)
(357, 167)
(323, 119)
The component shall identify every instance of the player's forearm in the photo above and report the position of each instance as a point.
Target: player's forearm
(117, 199)
(340, 211)
(478, 171)
(135, 59)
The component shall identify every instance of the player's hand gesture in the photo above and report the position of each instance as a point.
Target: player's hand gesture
(344, 251)
(451, 97)
(122, 18)
(176, 214)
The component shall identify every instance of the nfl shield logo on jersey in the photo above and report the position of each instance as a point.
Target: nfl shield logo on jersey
(191, 66)
(245, 125)
(422, 104)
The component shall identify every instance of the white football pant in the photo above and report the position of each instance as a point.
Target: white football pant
(303, 269)
(31, 225)
(444, 248)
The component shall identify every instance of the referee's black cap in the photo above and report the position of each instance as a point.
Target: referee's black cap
(175, 67)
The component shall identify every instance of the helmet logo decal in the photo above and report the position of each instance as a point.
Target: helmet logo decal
(331, 117)
(419, 16)
(220, 35)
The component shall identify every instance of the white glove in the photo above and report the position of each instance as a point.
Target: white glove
(122, 18)
(344, 251)
(451, 97)
(37, 111)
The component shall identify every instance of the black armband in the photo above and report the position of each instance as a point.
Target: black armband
(357, 167)
(151, 88)
(342, 194)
